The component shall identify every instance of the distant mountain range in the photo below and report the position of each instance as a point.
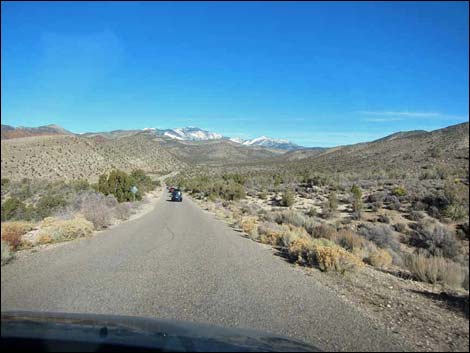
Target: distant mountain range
(8, 132)
(63, 154)
(197, 134)
(181, 134)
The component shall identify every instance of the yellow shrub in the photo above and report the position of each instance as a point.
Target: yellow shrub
(337, 259)
(248, 224)
(380, 258)
(323, 253)
(302, 250)
(61, 230)
(44, 238)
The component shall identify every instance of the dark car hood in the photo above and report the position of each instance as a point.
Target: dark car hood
(141, 333)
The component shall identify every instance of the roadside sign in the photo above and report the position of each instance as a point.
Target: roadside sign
(134, 189)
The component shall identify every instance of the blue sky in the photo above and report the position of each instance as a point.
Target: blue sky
(319, 74)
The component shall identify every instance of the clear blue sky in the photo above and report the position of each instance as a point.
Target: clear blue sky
(319, 74)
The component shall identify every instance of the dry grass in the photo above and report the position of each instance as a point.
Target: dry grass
(56, 230)
(436, 269)
(324, 254)
(380, 258)
(248, 225)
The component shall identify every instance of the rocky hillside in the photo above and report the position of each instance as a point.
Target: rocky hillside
(410, 152)
(75, 157)
(217, 152)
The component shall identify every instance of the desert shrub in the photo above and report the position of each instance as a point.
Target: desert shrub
(123, 210)
(12, 232)
(111, 201)
(80, 185)
(248, 225)
(312, 212)
(143, 182)
(377, 197)
(61, 230)
(309, 225)
(14, 209)
(436, 269)
(456, 212)
(376, 206)
(7, 254)
(415, 216)
(117, 183)
(400, 227)
(434, 212)
(48, 204)
(333, 201)
(250, 209)
(290, 217)
(379, 234)
(399, 191)
(212, 196)
(356, 200)
(349, 240)
(434, 237)
(291, 233)
(5, 182)
(95, 209)
(324, 254)
(326, 211)
(463, 230)
(263, 195)
(288, 198)
(233, 191)
(270, 233)
(380, 258)
(325, 231)
(383, 218)
(394, 203)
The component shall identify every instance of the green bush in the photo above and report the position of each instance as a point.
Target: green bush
(48, 204)
(288, 198)
(118, 183)
(5, 182)
(143, 182)
(357, 200)
(333, 201)
(14, 209)
(399, 191)
(263, 195)
(80, 185)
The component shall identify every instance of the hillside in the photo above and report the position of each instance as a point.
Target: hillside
(10, 132)
(217, 152)
(55, 157)
(410, 152)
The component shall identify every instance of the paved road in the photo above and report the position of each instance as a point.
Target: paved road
(179, 262)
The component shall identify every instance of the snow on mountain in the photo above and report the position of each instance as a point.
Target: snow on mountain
(237, 140)
(197, 134)
(190, 134)
(271, 143)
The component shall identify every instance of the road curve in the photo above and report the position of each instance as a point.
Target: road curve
(179, 262)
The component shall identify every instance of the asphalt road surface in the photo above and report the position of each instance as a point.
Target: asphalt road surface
(179, 262)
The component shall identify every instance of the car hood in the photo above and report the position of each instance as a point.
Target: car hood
(142, 333)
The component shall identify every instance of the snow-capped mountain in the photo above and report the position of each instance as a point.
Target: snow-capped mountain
(197, 134)
(271, 143)
(236, 139)
(189, 134)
